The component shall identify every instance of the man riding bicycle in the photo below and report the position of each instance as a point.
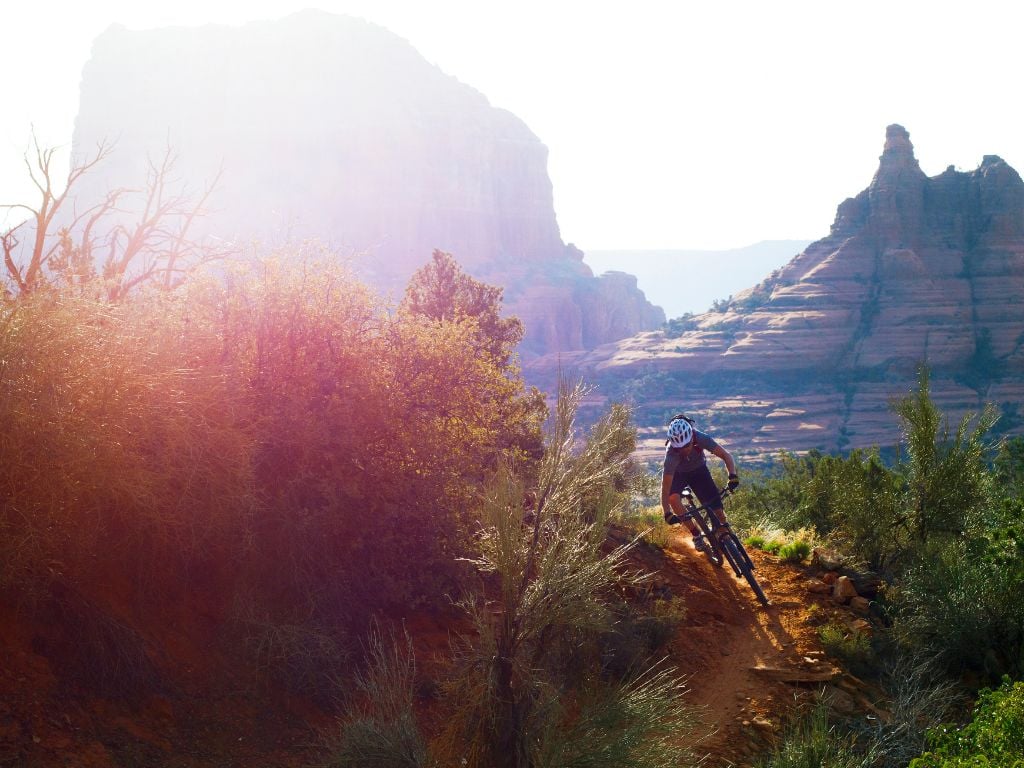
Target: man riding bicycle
(685, 465)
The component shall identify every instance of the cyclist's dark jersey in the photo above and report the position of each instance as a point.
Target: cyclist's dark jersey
(693, 470)
(674, 461)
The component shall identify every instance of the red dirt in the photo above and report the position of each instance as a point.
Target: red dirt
(215, 714)
(728, 635)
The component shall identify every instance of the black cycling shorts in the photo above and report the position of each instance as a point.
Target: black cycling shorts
(701, 483)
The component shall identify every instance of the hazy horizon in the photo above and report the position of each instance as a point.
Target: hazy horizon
(681, 281)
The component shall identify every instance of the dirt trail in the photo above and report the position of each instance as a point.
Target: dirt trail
(747, 666)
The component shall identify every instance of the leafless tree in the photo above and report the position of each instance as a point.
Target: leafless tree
(96, 247)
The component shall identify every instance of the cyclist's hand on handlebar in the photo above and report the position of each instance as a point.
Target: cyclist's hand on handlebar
(734, 482)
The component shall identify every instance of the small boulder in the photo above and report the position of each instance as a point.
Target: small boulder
(827, 559)
(816, 587)
(843, 590)
(860, 605)
(841, 701)
(860, 627)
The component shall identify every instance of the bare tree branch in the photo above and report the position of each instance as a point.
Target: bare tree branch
(155, 245)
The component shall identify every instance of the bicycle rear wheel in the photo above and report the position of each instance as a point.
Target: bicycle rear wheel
(742, 563)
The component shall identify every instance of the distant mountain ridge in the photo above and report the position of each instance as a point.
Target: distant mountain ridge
(682, 281)
(915, 270)
(332, 128)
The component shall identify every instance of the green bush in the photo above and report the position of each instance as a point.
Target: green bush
(795, 551)
(755, 542)
(852, 648)
(242, 433)
(855, 501)
(677, 326)
(639, 632)
(774, 546)
(963, 604)
(994, 738)
(377, 726)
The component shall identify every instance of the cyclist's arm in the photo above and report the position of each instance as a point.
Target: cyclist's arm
(725, 456)
(666, 488)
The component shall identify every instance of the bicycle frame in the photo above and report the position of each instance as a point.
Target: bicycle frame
(722, 541)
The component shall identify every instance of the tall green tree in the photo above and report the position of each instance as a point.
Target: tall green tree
(441, 291)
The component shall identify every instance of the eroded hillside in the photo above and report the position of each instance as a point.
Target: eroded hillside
(915, 270)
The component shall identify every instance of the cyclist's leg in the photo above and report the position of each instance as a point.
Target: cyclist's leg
(703, 484)
(676, 502)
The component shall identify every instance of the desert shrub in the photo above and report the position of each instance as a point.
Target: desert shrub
(855, 501)
(814, 742)
(637, 633)
(1008, 466)
(377, 727)
(648, 522)
(885, 517)
(677, 326)
(634, 722)
(306, 658)
(271, 430)
(919, 696)
(374, 433)
(949, 487)
(772, 497)
(119, 435)
(963, 604)
(852, 648)
(90, 644)
(755, 542)
(994, 737)
(774, 546)
(795, 551)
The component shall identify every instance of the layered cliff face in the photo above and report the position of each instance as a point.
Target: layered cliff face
(915, 270)
(332, 128)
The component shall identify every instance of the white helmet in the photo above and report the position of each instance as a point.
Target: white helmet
(680, 433)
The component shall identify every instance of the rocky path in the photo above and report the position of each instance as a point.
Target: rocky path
(749, 667)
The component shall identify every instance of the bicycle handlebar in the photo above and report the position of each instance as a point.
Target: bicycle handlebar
(722, 493)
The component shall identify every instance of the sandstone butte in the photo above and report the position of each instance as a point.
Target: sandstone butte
(332, 128)
(915, 270)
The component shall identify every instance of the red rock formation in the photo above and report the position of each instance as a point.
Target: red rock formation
(333, 128)
(915, 270)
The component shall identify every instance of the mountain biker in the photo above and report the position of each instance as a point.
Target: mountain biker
(685, 465)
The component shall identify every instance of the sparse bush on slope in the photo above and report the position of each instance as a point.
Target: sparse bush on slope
(379, 729)
(814, 742)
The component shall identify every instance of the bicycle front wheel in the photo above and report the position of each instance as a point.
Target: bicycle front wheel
(713, 552)
(738, 557)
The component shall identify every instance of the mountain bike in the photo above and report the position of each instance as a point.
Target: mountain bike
(720, 543)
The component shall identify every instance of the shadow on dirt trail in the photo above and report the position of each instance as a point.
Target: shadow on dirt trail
(747, 666)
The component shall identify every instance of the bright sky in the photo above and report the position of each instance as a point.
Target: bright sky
(670, 123)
